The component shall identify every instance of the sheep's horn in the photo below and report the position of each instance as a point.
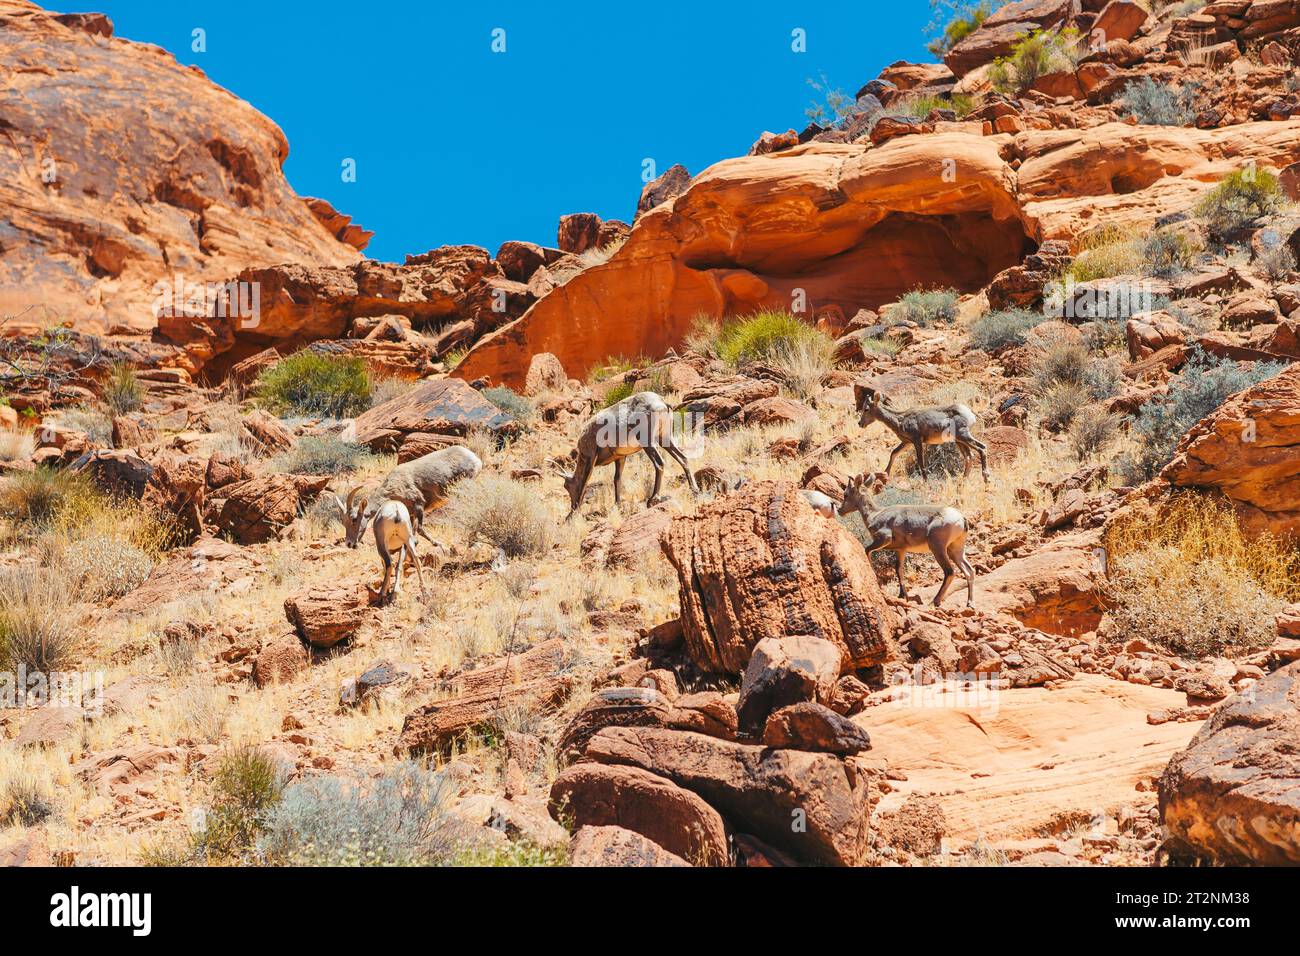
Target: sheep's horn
(352, 494)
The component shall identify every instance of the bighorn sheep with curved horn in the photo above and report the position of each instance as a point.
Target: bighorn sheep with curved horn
(640, 422)
(420, 484)
(919, 427)
(395, 537)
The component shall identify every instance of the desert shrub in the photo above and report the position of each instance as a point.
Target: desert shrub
(601, 254)
(453, 357)
(617, 392)
(321, 455)
(1059, 402)
(106, 565)
(967, 17)
(1167, 253)
(919, 107)
(832, 105)
(1066, 360)
(880, 346)
(246, 786)
(1107, 252)
(504, 513)
(38, 627)
(399, 819)
(48, 494)
(509, 401)
(1035, 55)
(385, 388)
(308, 383)
(805, 362)
(761, 337)
(926, 307)
(1276, 259)
(16, 444)
(1205, 383)
(25, 802)
(1191, 582)
(122, 391)
(513, 854)
(703, 336)
(1104, 336)
(940, 460)
(1092, 429)
(1002, 330)
(1159, 104)
(1239, 200)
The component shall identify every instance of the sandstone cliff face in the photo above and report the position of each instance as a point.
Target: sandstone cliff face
(853, 226)
(121, 167)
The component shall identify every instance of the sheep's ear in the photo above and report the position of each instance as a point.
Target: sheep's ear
(859, 395)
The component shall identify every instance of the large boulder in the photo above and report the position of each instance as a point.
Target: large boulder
(134, 170)
(1233, 796)
(784, 671)
(446, 406)
(944, 209)
(813, 806)
(615, 846)
(762, 564)
(592, 794)
(1001, 31)
(325, 614)
(259, 509)
(1057, 588)
(1249, 450)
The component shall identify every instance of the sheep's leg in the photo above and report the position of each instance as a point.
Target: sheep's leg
(900, 558)
(618, 481)
(920, 457)
(417, 519)
(957, 553)
(399, 562)
(388, 570)
(419, 574)
(980, 448)
(941, 556)
(889, 468)
(657, 460)
(679, 456)
(965, 457)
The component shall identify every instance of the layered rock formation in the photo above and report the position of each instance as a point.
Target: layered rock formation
(130, 168)
(828, 229)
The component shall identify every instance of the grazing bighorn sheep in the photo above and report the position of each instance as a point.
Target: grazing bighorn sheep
(640, 422)
(421, 484)
(395, 535)
(919, 427)
(905, 528)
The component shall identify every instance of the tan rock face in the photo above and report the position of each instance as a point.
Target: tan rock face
(1249, 449)
(761, 563)
(945, 208)
(1234, 794)
(102, 205)
(1055, 589)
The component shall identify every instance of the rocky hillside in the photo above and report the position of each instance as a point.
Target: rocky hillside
(1072, 240)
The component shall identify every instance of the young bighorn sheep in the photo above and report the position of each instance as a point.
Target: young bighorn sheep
(640, 422)
(919, 427)
(395, 538)
(908, 528)
(421, 484)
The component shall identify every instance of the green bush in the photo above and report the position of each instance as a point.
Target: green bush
(616, 393)
(245, 788)
(122, 391)
(311, 384)
(1002, 330)
(1204, 384)
(1239, 201)
(761, 337)
(966, 19)
(1035, 55)
(1159, 104)
(926, 307)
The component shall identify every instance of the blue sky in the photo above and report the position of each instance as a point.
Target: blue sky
(454, 143)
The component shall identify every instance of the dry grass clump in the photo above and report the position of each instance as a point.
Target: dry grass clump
(25, 801)
(122, 391)
(47, 495)
(1192, 582)
(38, 626)
(804, 364)
(16, 444)
(1092, 431)
(506, 514)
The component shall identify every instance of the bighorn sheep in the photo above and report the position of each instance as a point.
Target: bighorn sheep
(640, 422)
(395, 536)
(919, 427)
(420, 484)
(905, 528)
